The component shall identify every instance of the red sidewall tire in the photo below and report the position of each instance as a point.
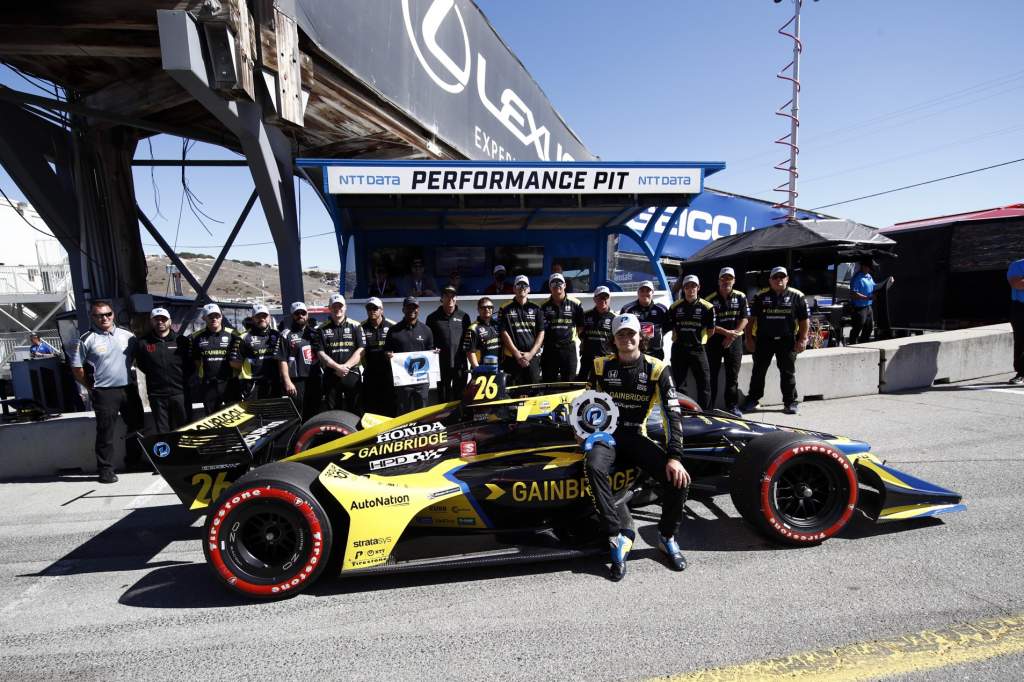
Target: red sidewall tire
(768, 508)
(322, 428)
(294, 509)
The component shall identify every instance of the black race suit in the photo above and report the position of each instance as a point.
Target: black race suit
(524, 323)
(597, 340)
(339, 340)
(636, 388)
(378, 384)
(775, 325)
(482, 339)
(260, 374)
(296, 349)
(218, 383)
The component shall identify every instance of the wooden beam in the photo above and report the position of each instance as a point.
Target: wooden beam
(58, 41)
(150, 93)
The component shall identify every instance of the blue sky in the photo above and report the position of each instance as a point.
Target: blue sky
(894, 93)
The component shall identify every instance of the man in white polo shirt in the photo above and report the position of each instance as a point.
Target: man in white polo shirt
(102, 362)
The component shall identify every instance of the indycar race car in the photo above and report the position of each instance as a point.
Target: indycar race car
(491, 479)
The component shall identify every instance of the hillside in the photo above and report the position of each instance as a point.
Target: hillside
(238, 281)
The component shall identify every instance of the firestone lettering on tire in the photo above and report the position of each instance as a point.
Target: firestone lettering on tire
(312, 558)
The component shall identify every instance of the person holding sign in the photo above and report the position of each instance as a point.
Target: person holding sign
(407, 336)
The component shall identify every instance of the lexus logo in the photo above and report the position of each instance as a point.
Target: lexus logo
(453, 79)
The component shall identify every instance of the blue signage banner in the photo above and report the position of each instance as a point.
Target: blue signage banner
(710, 216)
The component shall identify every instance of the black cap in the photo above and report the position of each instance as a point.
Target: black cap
(410, 300)
(450, 290)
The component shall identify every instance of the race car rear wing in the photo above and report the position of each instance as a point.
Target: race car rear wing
(201, 460)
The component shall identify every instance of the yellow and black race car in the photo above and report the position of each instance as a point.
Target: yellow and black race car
(492, 479)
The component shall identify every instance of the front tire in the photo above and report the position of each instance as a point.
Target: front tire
(269, 537)
(793, 489)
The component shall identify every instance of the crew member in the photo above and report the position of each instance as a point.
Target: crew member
(563, 322)
(39, 348)
(636, 383)
(597, 333)
(521, 323)
(255, 358)
(418, 283)
(448, 325)
(339, 344)
(779, 330)
(378, 384)
(1015, 277)
(410, 335)
(726, 344)
(500, 284)
(102, 363)
(482, 337)
(651, 315)
(691, 319)
(296, 360)
(166, 360)
(862, 295)
(382, 285)
(218, 382)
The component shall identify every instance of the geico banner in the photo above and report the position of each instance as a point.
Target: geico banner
(512, 179)
(442, 64)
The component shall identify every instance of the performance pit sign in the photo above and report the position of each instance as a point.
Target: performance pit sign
(513, 179)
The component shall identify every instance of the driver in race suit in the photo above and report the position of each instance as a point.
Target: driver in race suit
(637, 382)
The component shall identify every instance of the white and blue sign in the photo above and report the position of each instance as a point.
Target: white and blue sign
(161, 449)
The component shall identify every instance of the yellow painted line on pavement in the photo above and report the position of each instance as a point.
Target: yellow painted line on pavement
(924, 650)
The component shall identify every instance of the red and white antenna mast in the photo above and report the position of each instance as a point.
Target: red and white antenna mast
(791, 72)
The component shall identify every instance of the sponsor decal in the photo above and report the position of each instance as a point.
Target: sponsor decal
(410, 458)
(442, 493)
(467, 521)
(254, 435)
(227, 418)
(381, 501)
(161, 449)
(394, 447)
(372, 542)
(409, 432)
(467, 448)
(565, 489)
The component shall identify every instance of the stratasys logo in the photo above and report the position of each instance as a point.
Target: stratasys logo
(382, 501)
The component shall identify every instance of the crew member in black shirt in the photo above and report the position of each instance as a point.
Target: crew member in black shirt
(255, 358)
(651, 313)
(779, 330)
(597, 333)
(378, 384)
(563, 320)
(636, 383)
(218, 382)
(164, 358)
(408, 336)
(296, 360)
(339, 344)
(726, 344)
(482, 338)
(448, 325)
(521, 323)
(691, 320)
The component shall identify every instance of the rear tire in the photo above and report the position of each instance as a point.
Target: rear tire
(794, 489)
(269, 537)
(323, 428)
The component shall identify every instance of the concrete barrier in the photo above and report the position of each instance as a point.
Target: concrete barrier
(943, 357)
(47, 448)
(821, 374)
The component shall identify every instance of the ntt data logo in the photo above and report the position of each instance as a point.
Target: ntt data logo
(454, 78)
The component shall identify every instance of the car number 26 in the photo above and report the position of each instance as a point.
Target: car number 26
(210, 488)
(486, 387)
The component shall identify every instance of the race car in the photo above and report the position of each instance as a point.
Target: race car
(494, 478)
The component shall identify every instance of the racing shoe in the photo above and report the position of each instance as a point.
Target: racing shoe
(620, 546)
(671, 549)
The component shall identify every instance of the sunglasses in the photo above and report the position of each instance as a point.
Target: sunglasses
(779, 276)
(300, 313)
(486, 307)
(557, 284)
(522, 285)
(102, 316)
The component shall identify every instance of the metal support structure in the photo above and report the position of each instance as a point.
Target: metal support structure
(672, 224)
(267, 150)
(169, 251)
(790, 141)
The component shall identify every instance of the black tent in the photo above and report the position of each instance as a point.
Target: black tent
(810, 249)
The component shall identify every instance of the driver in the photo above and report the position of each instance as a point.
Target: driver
(636, 383)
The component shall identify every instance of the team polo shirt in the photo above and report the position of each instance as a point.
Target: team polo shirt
(777, 315)
(257, 351)
(339, 340)
(524, 323)
(296, 348)
(729, 310)
(690, 323)
(656, 314)
(108, 354)
(482, 339)
(561, 321)
(210, 351)
(597, 334)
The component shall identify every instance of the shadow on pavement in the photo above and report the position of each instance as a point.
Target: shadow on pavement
(182, 586)
(129, 544)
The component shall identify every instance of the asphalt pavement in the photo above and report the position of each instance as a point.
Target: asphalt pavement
(109, 582)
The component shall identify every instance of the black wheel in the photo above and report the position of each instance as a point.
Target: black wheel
(794, 489)
(323, 428)
(268, 536)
